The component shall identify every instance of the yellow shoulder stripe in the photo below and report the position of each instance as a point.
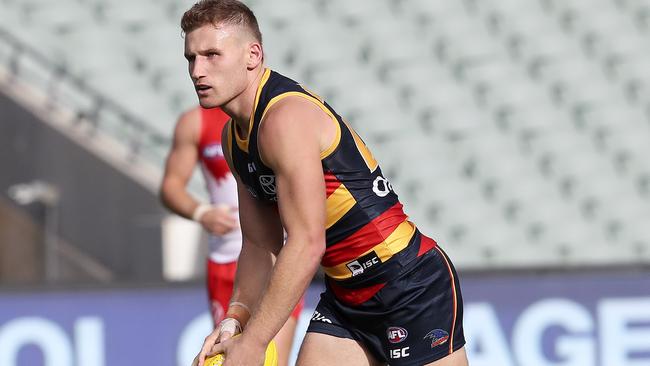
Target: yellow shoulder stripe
(229, 128)
(370, 160)
(243, 142)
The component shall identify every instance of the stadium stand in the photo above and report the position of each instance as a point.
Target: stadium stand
(516, 131)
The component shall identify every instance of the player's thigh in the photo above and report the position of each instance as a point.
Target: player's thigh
(457, 358)
(284, 340)
(322, 350)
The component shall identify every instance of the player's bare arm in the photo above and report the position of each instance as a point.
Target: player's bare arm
(262, 239)
(291, 139)
(262, 236)
(180, 164)
(181, 161)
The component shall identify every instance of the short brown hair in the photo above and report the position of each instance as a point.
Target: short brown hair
(220, 11)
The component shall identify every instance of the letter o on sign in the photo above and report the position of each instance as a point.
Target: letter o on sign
(48, 336)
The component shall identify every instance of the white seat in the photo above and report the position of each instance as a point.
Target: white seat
(353, 13)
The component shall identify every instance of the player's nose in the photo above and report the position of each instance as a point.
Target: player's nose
(197, 70)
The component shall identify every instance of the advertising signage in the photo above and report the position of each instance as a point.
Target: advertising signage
(600, 319)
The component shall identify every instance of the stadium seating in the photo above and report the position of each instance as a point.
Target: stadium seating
(516, 131)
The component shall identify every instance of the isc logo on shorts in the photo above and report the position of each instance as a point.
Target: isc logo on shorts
(400, 352)
(361, 264)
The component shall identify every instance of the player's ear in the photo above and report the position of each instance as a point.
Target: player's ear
(255, 55)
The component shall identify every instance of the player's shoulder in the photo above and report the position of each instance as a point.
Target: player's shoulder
(188, 124)
(291, 111)
(292, 123)
(190, 116)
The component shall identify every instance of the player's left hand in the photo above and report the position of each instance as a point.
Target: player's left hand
(226, 329)
(240, 351)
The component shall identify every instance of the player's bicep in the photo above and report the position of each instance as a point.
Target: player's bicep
(292, 148)
(301, 197)
(183, 154)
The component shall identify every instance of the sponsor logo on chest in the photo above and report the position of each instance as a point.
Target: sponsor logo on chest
(267, 182)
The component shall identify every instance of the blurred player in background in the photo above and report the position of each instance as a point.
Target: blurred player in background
(392, 295)
(197, 138)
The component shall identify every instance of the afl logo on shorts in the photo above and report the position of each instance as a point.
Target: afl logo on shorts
(268, 183)
(212, 151)
(396, 334)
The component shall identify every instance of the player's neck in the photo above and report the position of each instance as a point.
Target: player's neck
(241, 108)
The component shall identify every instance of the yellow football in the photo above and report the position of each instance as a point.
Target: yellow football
(270, 357)
(216, 360)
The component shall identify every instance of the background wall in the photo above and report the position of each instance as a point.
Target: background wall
(102, 210)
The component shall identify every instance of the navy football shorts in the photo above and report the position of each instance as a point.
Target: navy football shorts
(415, 319)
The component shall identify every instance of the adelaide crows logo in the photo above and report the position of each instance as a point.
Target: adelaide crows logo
(438, 337)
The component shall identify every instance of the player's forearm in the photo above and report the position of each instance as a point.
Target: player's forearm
(292, 274)
(175, 197)
(254, 268)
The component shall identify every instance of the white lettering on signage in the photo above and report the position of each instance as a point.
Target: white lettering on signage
(618, 334)
(617, 338)
(486, 342)
(192, 337)
(89, 341)
(53, 341)
(573, 349)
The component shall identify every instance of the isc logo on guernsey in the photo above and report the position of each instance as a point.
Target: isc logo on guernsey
(361, 264)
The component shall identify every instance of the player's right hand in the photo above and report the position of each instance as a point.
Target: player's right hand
(219, 220)
(226, 329)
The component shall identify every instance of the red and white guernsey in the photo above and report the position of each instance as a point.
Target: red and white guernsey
(220, 182)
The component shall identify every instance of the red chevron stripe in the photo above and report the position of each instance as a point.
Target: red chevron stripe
(426, 243)
(331, 183)
(357, 296)
(365, 238)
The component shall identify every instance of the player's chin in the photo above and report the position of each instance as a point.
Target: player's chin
(208, 102)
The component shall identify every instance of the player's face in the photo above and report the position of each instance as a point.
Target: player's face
(217, 59)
